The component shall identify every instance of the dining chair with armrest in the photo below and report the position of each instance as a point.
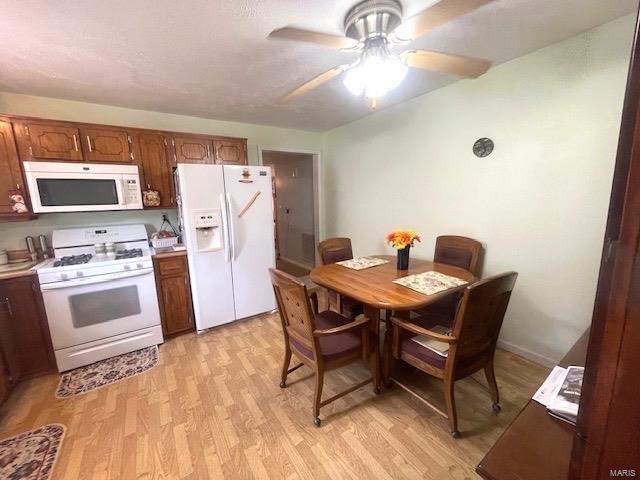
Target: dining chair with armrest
(322, 341)
(334, 250)
(472, 342)
(462, 252)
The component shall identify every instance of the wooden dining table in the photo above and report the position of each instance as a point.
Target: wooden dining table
(374, 288)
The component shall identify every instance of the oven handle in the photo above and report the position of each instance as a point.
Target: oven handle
(93, 280)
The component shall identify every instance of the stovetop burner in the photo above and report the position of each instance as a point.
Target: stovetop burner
(73, 260)
(131, 253)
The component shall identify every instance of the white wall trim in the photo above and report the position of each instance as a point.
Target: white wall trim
(528, 354)
(318, 197)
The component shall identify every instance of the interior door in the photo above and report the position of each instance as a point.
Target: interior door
(106, 145)
(250, 207)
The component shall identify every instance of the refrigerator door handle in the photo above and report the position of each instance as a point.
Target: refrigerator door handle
(225, 226)
(232, 239)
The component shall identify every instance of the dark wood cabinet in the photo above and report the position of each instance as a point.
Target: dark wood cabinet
(106, 145)
(153, 160)
(155, 153)
(11, 172)
(48, 141)
(193, 149)
(174, 294)
(24, 332)
(230, 151)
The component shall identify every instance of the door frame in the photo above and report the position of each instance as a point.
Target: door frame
(318, 211)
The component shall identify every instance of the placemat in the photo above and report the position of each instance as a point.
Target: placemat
(362, 262)
(429, 283)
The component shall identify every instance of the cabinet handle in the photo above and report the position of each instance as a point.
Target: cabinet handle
(7, 302)
(208, 151)
(89, 144)
(75, 142)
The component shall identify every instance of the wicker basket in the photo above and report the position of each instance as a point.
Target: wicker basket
(164, 242)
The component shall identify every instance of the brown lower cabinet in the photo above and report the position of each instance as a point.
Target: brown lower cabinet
(25, 342)
(174, 294)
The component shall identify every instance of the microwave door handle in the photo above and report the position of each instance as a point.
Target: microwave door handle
(93, 280)
(225, 228)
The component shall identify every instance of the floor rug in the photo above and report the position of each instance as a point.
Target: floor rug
(105, 372)
(31, 455)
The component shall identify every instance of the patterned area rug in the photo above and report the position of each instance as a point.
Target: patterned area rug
(31, 455)
(105, 372)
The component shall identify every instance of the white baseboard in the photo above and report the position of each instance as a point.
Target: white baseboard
(528, 354)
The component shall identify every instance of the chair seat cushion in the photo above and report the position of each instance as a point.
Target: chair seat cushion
(415, 349)
(336, 346)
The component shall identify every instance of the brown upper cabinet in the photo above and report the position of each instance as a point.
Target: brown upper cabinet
(10, 171)
(48, 141)
(230, 151)
(193, 149)
(106, 145)
(153, 160)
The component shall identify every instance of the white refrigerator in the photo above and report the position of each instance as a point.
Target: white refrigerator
(227, 221)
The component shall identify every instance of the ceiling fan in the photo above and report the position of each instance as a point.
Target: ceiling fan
(372, 29)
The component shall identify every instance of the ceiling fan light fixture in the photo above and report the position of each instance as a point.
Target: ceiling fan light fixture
(376, 73)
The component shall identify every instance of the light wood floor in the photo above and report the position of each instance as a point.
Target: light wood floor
(212, 408)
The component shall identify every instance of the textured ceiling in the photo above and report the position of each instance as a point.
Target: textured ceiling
(210, 58)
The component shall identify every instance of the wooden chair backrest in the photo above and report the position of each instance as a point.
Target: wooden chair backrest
(480, 315)
(296, 313)
(334, 250)
(458, 251)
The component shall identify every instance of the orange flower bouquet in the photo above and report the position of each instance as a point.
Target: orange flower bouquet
(402, 240)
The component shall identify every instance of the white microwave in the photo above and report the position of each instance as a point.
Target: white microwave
(82, 187)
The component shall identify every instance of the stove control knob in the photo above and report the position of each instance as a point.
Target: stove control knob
(79, 274)
(138, 265)
(127, 267)
(64, 276)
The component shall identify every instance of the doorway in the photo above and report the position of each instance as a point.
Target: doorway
(295, 209)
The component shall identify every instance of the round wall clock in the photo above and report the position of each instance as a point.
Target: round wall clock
(483, 147)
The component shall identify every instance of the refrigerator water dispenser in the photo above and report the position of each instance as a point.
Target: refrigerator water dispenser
(208, 230)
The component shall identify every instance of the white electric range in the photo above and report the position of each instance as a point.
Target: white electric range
(99, 305)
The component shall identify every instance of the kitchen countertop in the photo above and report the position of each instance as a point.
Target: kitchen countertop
(167, 252)
(24, 271)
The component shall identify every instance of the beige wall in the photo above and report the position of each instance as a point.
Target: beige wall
(538, 203)
(12, 235)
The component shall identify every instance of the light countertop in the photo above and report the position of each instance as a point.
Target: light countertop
(23, 269)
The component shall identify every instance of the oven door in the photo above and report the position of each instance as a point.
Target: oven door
(76, 192)
(95, 308)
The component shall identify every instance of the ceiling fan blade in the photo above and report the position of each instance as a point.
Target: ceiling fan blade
(442, 12)
(308, 36)
(467, 67)
(314, 82)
